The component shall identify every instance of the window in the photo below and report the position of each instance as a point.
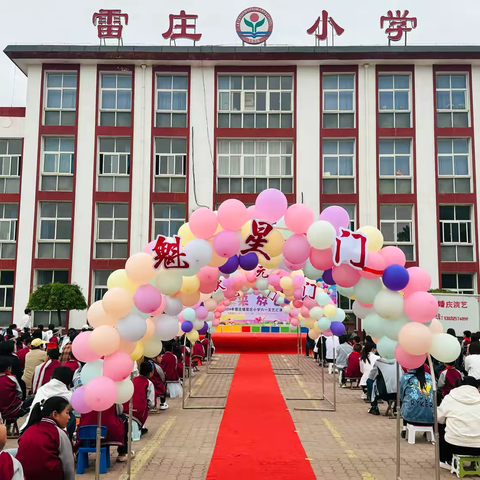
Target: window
(61, 99)
(112, 230)
(395, 166)
(338, 166)
(394, 101)
(57, 167)
(114, 165)
(10, 159)
(116, 100)
(396, 225)
(246, 166)
(167, 218)
(170, 165)
(249, 101)
(452, 100)
(6, 296)
(54, 231)
(462, 283)
(456, 241)
(42, 278)
(8, 229)
(171, 101)
(52, 276)
(338, 101)
(351, 209)
(100, 278)
(453, 165)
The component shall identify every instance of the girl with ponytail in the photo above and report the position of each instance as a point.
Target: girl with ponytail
(44, 449)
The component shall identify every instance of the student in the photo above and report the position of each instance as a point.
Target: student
(66, 346)
(206, 343)
(460, 412)
(177, 351)
(472, 362)
(309, 345)
(11, 393)
(143, 396)
(26, 321)
(44, 449)
(10, 467)
(447, 378)
(467, 340)
(40, 329)
(56, 387)
(356, 339)
(343, 351)
(353, 367)
(169, 365)
(158, 380)
(331, 345)
(50, 332)
(382, 383)
(13, 329)
(367, 360)
(35, 357)
(6, 351)
(73, 364)
(44, 372)
(198, 352)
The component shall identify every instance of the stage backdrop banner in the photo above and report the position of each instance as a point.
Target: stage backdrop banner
(254, 309)
(460, 312)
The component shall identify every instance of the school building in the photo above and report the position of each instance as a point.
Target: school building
(119, 144)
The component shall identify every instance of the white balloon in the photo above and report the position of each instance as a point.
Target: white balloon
(316, 313)
(218, 296)
(198, 324)
(261, 283)
(360, 311)
(445, 347)
(166, 327)
(339, 316)
(366, 290)
(321, 234)
(198, 252)
(124, 391)
(169, 281)
(311, 272)
(210, 317)
(388, 304)
(173, 306)
(132, 327)
(152, 348)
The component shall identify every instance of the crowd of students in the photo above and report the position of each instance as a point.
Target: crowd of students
(458, 383)
(38, 375)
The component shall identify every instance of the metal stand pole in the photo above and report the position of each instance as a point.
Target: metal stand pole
(435, 420)
(129, 448)
(98, 443)
(399, 426)
(295, 370)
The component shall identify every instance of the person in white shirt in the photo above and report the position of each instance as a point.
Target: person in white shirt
(472, 362)
(367, 361)
(49, 333)
(26, 321)
(331, 343)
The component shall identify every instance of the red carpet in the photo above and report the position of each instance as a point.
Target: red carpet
(256, 342)
(257, 438)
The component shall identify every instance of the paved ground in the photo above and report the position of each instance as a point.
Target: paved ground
(341, 445)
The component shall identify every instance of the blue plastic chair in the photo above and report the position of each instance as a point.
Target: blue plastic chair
(87, 436)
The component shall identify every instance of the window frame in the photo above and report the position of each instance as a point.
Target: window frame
(7, 288)
(458, 290)
(117, 155)
(394, 111)
(168, 220)
(62, 88)
(13, 227)
(115, 110)
(113, 240)
(172, 90)
(453, 177)
(470, 230)
(339, 155)
(395, 221)
(396, 177)
(3, 156)
(347, 207)
(339, 112)
(157, 165)
(96, 286)
(57, 174)
(450, 110)
(56, 219)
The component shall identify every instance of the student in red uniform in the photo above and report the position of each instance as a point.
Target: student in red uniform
(10, 467)
(73, 364)
(117, 429)
(198, 353)
(353, 367)
(205, 344)
(44, 449)
(158, 380)
(169, 364)
(143, 396)
(10, 392)
(447, 378)
(44, 372)
(22, 353)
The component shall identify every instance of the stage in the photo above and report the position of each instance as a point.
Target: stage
(256, 342)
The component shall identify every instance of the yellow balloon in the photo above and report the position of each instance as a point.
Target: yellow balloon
(190, 285)
(274, 247)
(119, 278)
(309, 322)
(375, 238)
(271, 288)
(138, 352)
(286, 283)
(193, 336)
(272, 263)
(247, 230)
(329, 310)
(313, 334)
(189, 299)
(186, 234)
(219, 229)
(315, 327)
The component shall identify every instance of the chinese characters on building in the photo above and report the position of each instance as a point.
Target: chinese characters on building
(185, 28)
(320, 28)
(398, 24)
(109, 24)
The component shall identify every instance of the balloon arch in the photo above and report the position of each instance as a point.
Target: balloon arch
(183, 284)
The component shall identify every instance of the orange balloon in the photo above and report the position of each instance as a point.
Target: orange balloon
(189, 299)
(150, 330)
(127, 347)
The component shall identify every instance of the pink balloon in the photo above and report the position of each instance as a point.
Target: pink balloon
(203, 223)
(298, 218)
(298, 293)
(297, 304)
(408, 360)
(375, 262)
(296, 249)
(100, 394)
(294, 312)
(232, 215)
(309, 304)
(215, 322)
(78, 401)
(345, 275)
(160, 309)
(327, 333)
(201, 313)
(251, 277)
(337, 216)
(392, 256)
(321, 259)
(293, 266)
(210, 305)
(149, 247)
(230, 292)
(207, 287)
(196, 305)
(147, 298)
(81, 348)
(239, 280)
(298, 281)
(295, 322)
(252, 212)
(217, 314)
(366, 305)
(415, 338)
(221, 308)
(419, 280)
(226, 243)
(226, 302)
(208, 274)
(117, 366)
(274, 280)
(304, 312)
(180, 317)
(271, 205)
(421, 307)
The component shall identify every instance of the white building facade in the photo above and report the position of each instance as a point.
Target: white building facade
(119, 144)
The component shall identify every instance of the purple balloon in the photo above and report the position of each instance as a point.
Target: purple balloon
(337, 328)
(395, 277)
(327, 277)
(337, 216)
(249, 261)
(78, 401)
(204, 329)
(187, 326)
(230, 265)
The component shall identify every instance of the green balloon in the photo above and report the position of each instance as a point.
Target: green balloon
(386, 347)
(345, 291)
(365, 290)
(374, 325)
(324, 323)
(392, 327)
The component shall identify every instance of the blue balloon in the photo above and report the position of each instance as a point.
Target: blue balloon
(230, 265)
(395, 277)
(187, 326)
(337, 328)
(327, 277)
(204, 329)
(249, 261)
(286, 302)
